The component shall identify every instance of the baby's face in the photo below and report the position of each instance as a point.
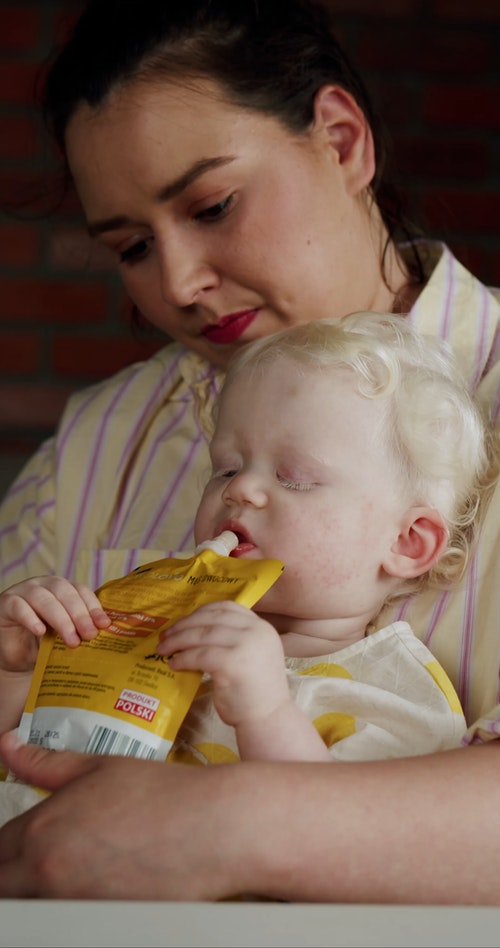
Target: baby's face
(301, 472)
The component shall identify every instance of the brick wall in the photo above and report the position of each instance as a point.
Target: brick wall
(432, 66)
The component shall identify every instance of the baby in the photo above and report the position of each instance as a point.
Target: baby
(351, 451)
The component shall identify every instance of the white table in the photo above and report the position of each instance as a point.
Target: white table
(82, 924)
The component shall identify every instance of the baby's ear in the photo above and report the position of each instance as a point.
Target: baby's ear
(422, 540)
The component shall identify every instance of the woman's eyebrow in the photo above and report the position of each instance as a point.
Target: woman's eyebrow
(166, 193)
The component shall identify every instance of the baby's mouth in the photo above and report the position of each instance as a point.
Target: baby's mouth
(245, 543)
(244, 546)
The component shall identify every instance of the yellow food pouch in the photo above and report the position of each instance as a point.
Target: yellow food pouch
(115, 694)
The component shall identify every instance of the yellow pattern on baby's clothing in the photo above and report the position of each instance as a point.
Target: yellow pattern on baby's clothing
(379, 698)
(442, 681)
(335, 727)
(326, 669)
(209, 753)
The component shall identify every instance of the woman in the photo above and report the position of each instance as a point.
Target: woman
(240, 194)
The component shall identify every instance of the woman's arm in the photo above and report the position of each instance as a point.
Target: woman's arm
(416, 830)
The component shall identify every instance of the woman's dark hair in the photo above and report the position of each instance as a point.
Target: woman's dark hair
(267, 55)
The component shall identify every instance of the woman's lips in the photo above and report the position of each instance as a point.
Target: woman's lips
(231, 327)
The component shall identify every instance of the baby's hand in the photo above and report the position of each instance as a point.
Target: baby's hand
(72, 610)
(242, 653)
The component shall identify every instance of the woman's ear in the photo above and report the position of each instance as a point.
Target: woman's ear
(422, 540)
(344, 127)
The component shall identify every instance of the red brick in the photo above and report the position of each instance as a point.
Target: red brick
(475, 212)
(71, 248)
(475, 258)
(29, 406)
(382, 8)
(19, 27)
(407, 49)
(460, 10)
(65, 19)
(36, 193)
(23, 444)
(18, 82)
(99, 356)
(19, 352)
(431, 158)
(462, 105)
(18, 138)
(399, 107)
(19, 245)
(495, 269)
(26, 192)
(52, 301)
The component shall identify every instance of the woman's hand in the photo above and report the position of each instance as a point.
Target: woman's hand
(119, 828)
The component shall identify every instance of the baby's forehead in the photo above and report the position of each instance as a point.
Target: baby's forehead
(291, 392)
(291, 371)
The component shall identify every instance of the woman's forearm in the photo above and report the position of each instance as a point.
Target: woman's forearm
(417, 830)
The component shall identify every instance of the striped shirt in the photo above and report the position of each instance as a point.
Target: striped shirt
(119, 483)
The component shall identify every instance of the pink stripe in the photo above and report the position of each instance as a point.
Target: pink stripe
(12, 527)
(467, 635)
(444, 329)
(90, 476)
(493, 358)
(436, 615)
(157, 393)
(480, 347)
(491, 727)
(181, 472)
(19, 486)
(28, 550)
(127, 503)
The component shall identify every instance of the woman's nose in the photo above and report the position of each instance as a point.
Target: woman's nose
(184, 273)
(244, 488)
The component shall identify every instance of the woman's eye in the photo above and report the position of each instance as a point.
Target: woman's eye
(135, 252)
(294, 485)
(215, 211)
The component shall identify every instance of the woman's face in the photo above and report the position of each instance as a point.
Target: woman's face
(226, 226)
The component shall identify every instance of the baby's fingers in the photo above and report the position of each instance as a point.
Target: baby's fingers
(73, 611)
(16, 613)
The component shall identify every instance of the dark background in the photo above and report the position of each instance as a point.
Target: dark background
(432, 67)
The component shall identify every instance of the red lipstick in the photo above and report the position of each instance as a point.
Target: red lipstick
(230, 328)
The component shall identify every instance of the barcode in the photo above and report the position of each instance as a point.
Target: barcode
(105, 741)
